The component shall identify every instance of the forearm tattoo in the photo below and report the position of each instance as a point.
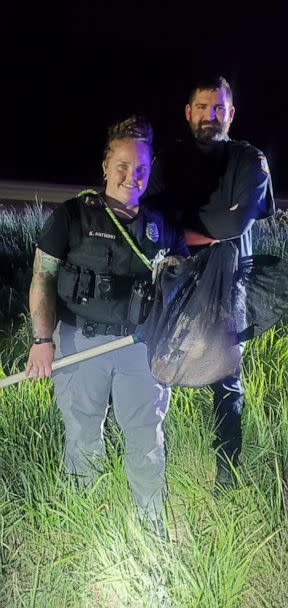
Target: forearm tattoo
(45, 265)
(43, 293)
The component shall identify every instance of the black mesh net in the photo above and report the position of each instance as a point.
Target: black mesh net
(205, 306)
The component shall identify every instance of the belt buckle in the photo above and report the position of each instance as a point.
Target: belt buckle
(88, 330)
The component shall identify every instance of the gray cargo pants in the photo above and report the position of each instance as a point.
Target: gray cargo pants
(140, 405)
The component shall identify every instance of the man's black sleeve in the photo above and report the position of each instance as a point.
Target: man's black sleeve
(53, 238)
(179, 246)
(252, 199)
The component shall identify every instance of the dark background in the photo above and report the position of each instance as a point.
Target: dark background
(69, 71)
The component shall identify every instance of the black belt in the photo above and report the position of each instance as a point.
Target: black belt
(92, 328)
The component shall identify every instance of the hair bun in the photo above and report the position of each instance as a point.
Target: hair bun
(135, 126)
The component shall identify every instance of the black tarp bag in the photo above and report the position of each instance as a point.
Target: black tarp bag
(205, 306)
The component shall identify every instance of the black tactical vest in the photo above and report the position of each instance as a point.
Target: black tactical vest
(96, 281)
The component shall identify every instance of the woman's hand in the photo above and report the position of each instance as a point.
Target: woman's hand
(170, 260)
(39, 364)
(42, 301)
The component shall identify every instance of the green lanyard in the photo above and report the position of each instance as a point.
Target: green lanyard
(128, 239)
(119, 226)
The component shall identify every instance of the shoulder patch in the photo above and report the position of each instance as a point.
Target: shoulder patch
(264, 164)
(152, 232)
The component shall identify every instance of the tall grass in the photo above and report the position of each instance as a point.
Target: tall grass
(270, 235)
(20, 228)
(19, 231)
(62, 546)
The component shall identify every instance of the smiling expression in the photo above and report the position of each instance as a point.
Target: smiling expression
(209, 114)
(127, 169)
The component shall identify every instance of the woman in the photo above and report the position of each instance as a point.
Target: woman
(95, 282)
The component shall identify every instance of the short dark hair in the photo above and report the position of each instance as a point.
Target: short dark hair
(211, 83)
(133, 127)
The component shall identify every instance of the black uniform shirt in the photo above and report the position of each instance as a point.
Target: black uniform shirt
(218, 189)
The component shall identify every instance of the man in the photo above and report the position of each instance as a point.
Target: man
(216, 188)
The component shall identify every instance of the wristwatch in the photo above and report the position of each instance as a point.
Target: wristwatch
(41, 340)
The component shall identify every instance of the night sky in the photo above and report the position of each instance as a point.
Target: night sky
(67, 74)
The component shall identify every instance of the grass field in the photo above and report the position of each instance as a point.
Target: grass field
(63, 547)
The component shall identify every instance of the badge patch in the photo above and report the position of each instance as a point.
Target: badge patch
(152, 232)
(264, 164)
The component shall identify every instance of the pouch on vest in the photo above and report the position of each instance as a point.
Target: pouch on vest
(68, 280)
(140, 302)
(105, 288)
(83, 288)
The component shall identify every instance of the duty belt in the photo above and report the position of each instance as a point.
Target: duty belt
(93, 328)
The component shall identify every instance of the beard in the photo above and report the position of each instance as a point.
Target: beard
(215, 132)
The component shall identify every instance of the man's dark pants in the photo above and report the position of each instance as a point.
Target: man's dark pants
(228, 407)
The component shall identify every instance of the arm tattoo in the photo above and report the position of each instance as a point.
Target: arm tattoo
(45, 265)
(43, 293)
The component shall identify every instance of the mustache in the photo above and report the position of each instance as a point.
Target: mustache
(212, 123)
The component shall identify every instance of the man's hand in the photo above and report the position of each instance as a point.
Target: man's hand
(195, 238)
(40, 361)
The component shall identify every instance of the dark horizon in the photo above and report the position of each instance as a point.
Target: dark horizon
(61, 91)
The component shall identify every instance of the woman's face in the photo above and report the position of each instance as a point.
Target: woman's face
(127, 168)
